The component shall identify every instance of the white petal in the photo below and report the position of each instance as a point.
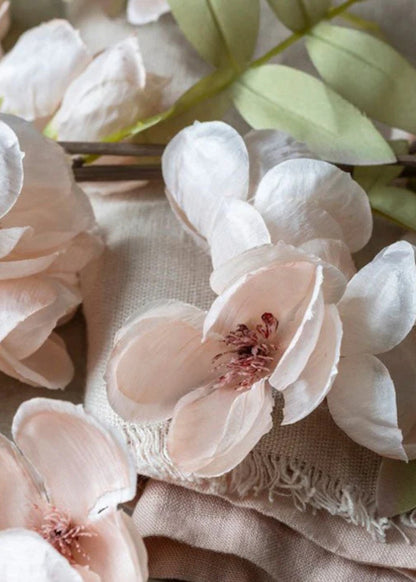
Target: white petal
(19, 490)
(237, 228)
(212, 431)
(362, 402)
(203, 163)
(306, 199)
(314, 383)
(11, 237)
(110, 95)
(227, 274)
(25, 555)
(269, 147)
(144, 11)
(334, 252)
(85, 469)
(36, 72)
(157, 358)
(300, 336)
(11, 169)
(50, 202)
(378, 308)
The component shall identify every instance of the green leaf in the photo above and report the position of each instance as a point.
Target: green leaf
(275, 96)
(300, 14)
(396, 203)
(396, 487)
(367, 72)
(373, 176)
(224, 32)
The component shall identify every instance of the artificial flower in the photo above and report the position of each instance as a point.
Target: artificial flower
(45, 240)
(284, 321)
(50, 73)
(35, 74)
(233, 194)
(60, 486)
(145, 11)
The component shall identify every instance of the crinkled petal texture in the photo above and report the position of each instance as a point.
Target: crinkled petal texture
(19, 490)
(157, 358)
(305, 199)
(97, 473)
(378, 311)
(25, 555)
(35, 74)
(269, 147)
(145, 11)
(44, 243)
(110, 95)
(212, 431)
(378, 308)
(202, 164)
(363, 404)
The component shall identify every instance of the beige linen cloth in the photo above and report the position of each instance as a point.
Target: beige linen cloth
(301, 505)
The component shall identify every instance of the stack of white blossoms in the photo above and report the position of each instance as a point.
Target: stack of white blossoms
(292, 315)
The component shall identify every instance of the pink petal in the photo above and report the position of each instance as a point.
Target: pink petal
(378, 308)
(145, 11)
(97, 472)
(49, 367)
(110, 95)
(314, 383)
(291, 292)
(78, 252)
(227, 274)
(11, 237)
(36, 72)
(11, 168)
(212, 431)
(117, 553)
(25, 555)
(362, 402)
(237, 228)
(269, 147)
(307, 199)
(157, 358)
(202, 164)
(334, 252)
(18, 489)
(25, 267)
(32, 332)
(299, 335)
(50, 202)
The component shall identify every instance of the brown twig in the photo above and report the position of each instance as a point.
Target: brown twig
(122, 172)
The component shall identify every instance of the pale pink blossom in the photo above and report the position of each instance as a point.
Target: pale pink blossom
(284, 321)
(49, 76)
(46, 239)
(60, 486)
(232, 194)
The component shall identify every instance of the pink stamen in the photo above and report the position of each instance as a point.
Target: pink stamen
(58, 529)
(252, 355)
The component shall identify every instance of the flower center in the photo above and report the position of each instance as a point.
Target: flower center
(58, 529)
(252, 354)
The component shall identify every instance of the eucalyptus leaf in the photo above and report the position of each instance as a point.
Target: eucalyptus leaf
(300, 14)
(279, 97)
(396, 487)
(366, 71)
(373, 176)
(224, 32)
